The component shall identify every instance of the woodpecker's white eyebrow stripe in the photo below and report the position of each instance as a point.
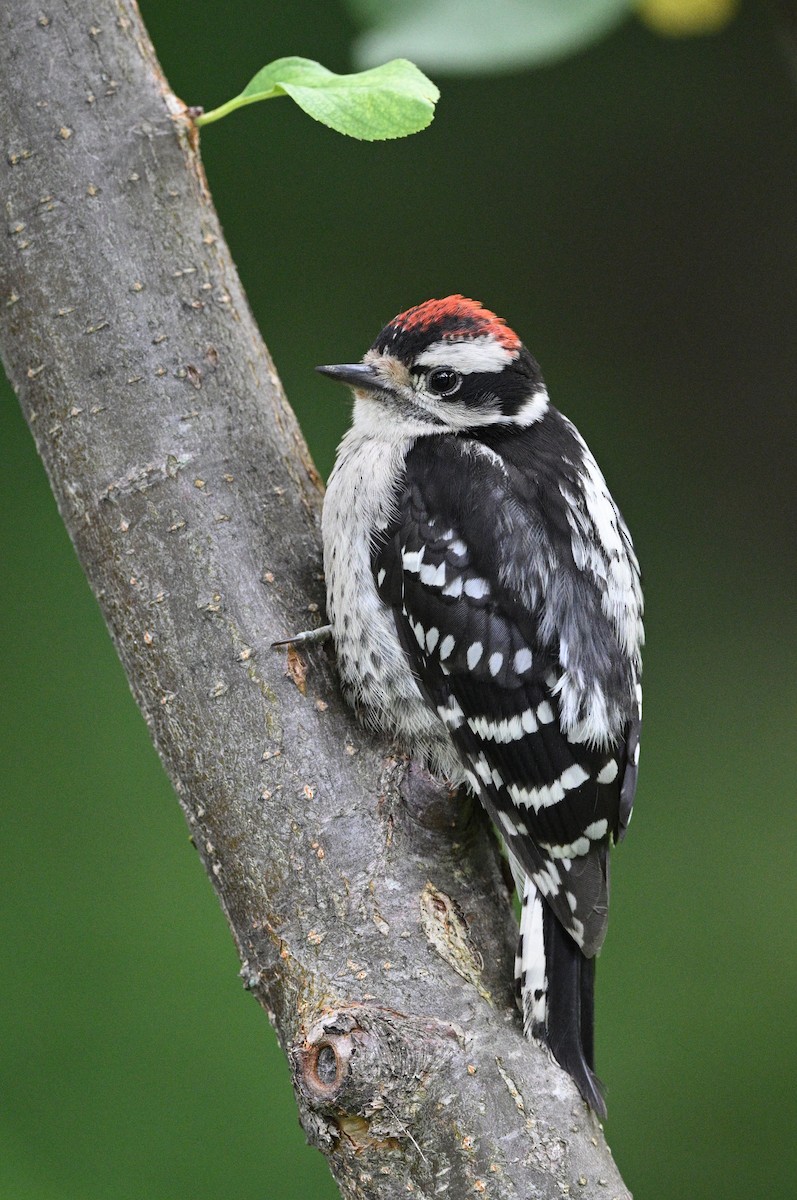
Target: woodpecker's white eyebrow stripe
(480, 354)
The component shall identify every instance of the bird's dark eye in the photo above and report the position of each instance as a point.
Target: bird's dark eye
(443, 381)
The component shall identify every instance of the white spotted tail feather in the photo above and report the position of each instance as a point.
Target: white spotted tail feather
(489, 617)
(555, 985)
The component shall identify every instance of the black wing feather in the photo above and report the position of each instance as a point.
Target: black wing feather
(485, 662)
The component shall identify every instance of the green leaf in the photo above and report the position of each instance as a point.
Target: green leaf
(388, 101)
(482, 35)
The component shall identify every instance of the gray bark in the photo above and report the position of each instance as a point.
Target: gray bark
(368, 904)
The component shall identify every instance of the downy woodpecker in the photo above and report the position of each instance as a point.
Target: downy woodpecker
(486, 610)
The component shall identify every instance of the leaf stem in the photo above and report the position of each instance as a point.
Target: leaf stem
(223, 110)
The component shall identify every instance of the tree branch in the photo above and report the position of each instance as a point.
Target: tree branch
(368, 904)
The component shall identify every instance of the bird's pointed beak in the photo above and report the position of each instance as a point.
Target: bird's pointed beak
(356, 375)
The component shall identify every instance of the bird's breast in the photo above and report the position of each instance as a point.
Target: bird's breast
(373, 667)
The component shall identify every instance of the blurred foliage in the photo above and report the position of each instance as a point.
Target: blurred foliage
(482, 36)
(683, 18)
(631, 212)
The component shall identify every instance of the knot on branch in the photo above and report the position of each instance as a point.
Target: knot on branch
(368, 1073)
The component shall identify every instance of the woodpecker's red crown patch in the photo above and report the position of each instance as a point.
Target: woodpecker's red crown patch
(452, 319)
(455, 318)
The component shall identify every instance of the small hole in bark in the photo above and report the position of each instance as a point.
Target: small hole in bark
(326, 1067)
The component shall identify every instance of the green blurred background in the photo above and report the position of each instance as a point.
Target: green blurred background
(631, 211)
